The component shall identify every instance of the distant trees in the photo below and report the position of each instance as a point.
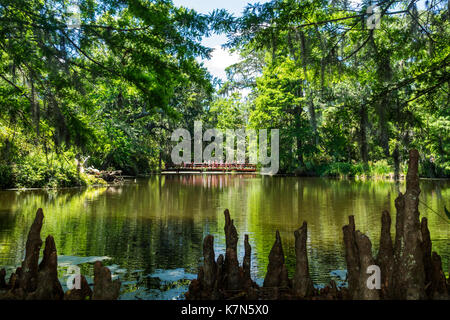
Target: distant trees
(344, 91)
(99, 81)
(110, 80)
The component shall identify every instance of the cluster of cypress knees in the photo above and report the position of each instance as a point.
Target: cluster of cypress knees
(409, 268)
(39, 281)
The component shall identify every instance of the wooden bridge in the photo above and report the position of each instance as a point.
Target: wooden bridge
(211, 167)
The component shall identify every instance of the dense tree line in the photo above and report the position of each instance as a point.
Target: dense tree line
(108, 87)
(352, 97)
(104, 85)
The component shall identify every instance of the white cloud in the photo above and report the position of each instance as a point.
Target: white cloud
(220, 59)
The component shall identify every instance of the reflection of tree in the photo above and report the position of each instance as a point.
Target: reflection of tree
(61, 211)
(160, 222)
(284, 203)
(207, 180)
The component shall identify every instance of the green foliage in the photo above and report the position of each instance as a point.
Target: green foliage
(346, 98)
(6, 176)
(34, 171)
(339, 169)
(228, 112)
(380, 168)
(342, 93)
(108, 90)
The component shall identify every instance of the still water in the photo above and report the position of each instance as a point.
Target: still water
(149, 232)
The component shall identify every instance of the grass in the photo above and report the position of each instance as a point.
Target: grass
(378, 170)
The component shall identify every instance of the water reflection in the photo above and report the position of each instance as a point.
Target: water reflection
(151, 231)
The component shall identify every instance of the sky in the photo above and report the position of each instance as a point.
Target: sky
(221, 58)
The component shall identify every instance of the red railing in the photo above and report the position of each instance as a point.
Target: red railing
(214, 166)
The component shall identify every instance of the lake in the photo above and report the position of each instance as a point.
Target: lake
(149, 232)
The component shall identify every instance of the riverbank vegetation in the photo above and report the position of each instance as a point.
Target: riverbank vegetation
(105, 84)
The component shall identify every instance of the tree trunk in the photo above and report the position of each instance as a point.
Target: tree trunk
(363, 134)
(396, 158)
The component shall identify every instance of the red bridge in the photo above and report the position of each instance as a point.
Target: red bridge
(222, 167)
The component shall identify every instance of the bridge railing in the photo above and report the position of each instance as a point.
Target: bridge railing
(227, 166)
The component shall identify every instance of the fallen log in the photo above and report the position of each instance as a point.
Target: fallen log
(111, 176)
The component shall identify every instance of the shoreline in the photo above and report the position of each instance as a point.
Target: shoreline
(283, 175)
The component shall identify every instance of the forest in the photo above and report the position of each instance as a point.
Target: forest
(105, 85)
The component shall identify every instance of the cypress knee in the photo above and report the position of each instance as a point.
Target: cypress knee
(385, 258)
(104, 287)
(351, 256)
(365, 260)
(409, 272)
(2, 279)
(302, 283)
(28, 278)
(209, 264)
(48, 285)
(232, 277)
(426, 250)
(246, 263)
(438, 282)
(276, 275)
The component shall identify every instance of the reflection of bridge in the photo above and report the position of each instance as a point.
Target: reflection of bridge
(208, 167)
